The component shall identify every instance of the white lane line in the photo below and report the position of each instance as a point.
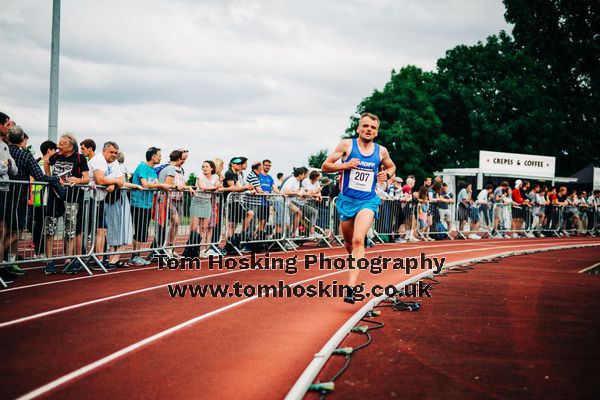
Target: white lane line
(81, 371)
(162, 285)
(407, 246)
(138, 291)
(113, 273)
(586, 269)
(300, 387)
(120, 353)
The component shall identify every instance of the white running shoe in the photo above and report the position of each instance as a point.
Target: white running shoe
(474, 236)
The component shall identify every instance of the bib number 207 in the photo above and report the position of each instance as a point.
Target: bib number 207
(361, 180)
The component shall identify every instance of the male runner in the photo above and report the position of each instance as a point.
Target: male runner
(357, 203)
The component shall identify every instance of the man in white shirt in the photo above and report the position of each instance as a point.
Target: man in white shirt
(297, 205)
(98, 166)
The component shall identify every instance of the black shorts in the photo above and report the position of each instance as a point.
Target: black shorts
(236, 212)
(517, 212)
(463, 213)
(100, 223)
(140, 217)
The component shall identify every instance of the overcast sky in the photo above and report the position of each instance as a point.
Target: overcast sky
(262, 79)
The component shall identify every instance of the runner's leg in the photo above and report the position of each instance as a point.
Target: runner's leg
(347, 229)
(362, 223)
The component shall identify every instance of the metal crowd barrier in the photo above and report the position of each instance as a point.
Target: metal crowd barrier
(334, 223)
(254, 220)
(513, 220)
(275, 220)
(397, 220)
(434, 221)
(193, 222)
(43, 223)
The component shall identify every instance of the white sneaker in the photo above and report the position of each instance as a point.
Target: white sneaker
(541, 235)
(506, 236)
(203, 254)
(474, 236)
(210, 252)
(515, 235)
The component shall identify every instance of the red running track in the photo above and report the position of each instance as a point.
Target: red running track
(525, 327)
(120, 335)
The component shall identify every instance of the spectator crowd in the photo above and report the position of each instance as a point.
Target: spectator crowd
(79, 203)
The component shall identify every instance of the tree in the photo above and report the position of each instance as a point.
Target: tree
(490, 97)
(563, 37)
(409, 124)
(317, 159)
(191, 180)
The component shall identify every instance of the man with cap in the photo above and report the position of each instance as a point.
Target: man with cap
(364, 164)
(520, 211)
(236, 212)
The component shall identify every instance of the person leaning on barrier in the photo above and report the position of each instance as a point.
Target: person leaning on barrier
(483, 203)
(520, 211)
(312, 186)
(583, 208)
(498, 200)
(552, 210)
(433, 216)
(445, 200)
(98, 165)
(141, 202)
(117, 214)
(38, 200)
(538, 204)
(72, 168)
(467, 212)
(8, 169)
(298, 207)
(202, 212)
(571, 212)
(87, 148)
(174, 174)
(236, 211)
(268, 185)
(560, 204)
(258, 203)
(17, 209)
(396, 194)
(410, 201)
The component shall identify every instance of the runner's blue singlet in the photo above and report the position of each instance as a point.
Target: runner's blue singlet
(359, 183)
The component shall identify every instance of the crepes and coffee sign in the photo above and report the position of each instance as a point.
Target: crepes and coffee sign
(493, 162)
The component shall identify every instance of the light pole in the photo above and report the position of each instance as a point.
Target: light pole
(54, 59)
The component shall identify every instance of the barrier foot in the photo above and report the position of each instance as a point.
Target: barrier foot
(97, 262)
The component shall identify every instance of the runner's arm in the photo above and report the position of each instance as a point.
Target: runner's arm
(330, 165)
(389, 168)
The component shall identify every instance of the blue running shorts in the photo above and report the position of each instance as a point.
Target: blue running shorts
(348, 207)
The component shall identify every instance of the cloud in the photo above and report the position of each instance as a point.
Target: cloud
(260, 78)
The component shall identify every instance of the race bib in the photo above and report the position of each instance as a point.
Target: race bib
(361, 180)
